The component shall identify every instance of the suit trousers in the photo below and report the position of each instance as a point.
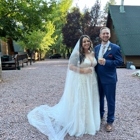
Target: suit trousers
(108, 91)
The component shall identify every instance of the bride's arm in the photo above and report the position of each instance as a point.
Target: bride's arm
(73, 61)
(80, 70)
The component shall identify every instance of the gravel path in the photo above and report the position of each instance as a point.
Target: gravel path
(43, 83)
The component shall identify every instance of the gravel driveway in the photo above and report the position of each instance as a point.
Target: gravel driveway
(43, 83)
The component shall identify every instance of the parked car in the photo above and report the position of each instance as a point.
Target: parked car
(55, 56)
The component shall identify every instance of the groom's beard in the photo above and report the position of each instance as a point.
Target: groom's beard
(105, 41)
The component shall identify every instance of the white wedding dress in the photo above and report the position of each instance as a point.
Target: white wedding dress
(77, 113)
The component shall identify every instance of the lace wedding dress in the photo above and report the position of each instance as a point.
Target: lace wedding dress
(77, 113)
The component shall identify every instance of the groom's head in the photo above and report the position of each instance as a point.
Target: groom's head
(105, 34)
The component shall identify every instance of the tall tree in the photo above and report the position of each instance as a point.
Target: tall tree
(20, 17)
(56, 19)
(85, 21)
(59, 19)
(95, 13)
(39, 40)
(81, 23)
(104, 13)
(72, 29)
(90, 21)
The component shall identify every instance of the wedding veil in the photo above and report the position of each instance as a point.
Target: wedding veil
(57, 121)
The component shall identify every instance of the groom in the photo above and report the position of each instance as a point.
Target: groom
(109, 57)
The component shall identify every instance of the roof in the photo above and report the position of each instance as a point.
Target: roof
(127, 28)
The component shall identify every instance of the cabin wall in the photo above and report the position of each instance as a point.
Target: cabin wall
(134, 59)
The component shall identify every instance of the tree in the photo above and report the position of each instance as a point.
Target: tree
(85, 21)
(20, 17)
(59, 19)
(48, 40)
(95, 13)
(81, 23)
(39, 40)
(90, 21)
(104, 13)
(72, 29)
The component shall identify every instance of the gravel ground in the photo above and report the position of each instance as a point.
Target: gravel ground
(43, 83)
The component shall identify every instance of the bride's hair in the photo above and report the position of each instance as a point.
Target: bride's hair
(81, 49)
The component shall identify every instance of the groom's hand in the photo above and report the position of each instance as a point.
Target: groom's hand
(101, 61)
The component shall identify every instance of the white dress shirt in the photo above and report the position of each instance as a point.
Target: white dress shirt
(101, 49)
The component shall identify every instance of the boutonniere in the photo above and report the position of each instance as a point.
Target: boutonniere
(109, 48)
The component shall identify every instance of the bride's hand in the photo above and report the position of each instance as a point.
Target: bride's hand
(87, 70)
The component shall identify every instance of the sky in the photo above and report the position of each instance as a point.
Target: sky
(89, 3)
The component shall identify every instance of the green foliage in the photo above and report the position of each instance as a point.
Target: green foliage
(39, 40)
(32, 40)
(71, 30)
(81, 23)
(92, 28)
(59, 19)
(35, 24)
(95, 13)
(47, 40)
(20, 17)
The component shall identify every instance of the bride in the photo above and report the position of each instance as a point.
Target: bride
(77, 112)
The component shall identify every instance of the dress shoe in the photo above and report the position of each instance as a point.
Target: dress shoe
(109, 127)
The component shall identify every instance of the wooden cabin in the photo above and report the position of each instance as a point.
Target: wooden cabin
(124, 22)
(9, 47)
